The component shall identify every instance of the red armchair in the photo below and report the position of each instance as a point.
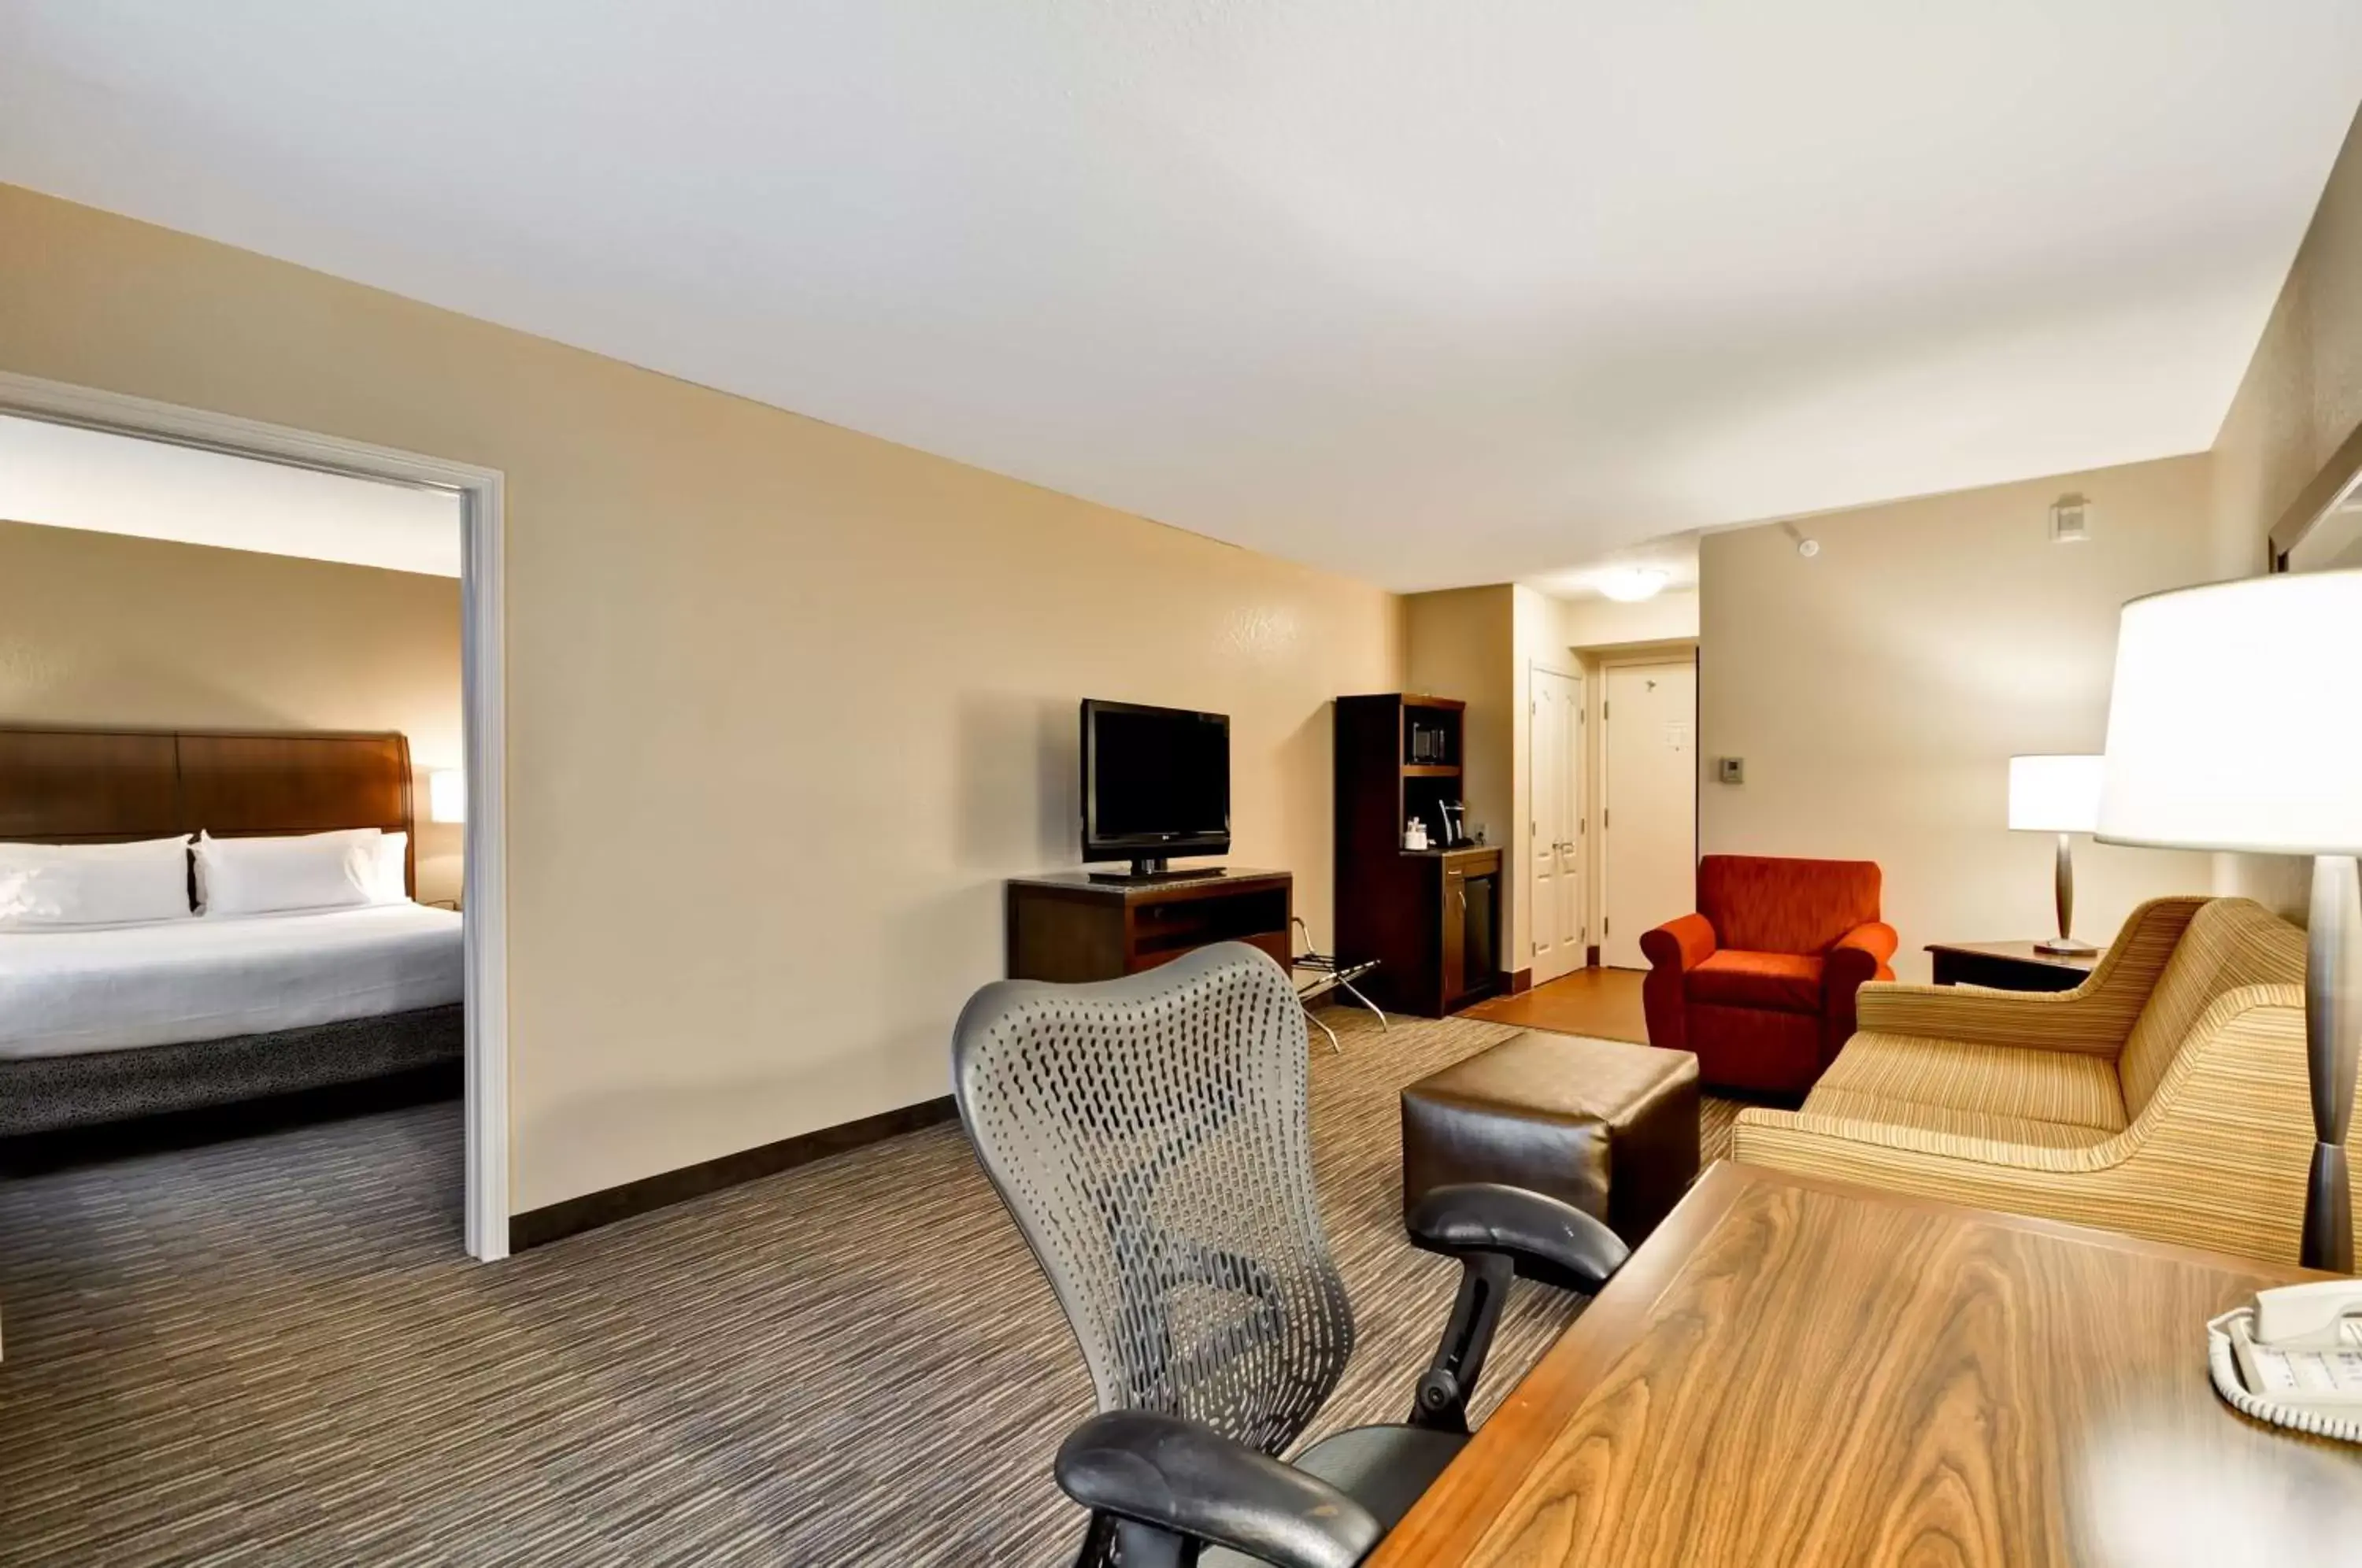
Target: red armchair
(1759, 983)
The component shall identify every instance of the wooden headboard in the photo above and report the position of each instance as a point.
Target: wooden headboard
(89, 786)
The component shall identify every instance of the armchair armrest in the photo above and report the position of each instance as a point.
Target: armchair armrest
(1865, 947)
(1673, 950)
(1858, 958)
(1679, 945)
(1531, 1228)
(1183, 1479)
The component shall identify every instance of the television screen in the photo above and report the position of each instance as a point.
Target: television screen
(1155, 780)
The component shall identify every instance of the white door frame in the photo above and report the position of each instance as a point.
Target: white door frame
(483, 719)
(1668, 653)
(1579, 749)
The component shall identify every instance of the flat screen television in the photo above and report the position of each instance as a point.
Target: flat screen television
(1156, 782)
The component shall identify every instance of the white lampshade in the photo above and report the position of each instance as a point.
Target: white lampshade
(2235, 720)
(2054, 794)
(446, 795)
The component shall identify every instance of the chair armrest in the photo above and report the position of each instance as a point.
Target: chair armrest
(2095, 1019)
(1874, 940)
(1529, 1227)
(2034, 1021)
(1673, 950)
(1184, 1478)
(1679, 945)
(1871, 1152)
(1858, 957)
(1496, 1231)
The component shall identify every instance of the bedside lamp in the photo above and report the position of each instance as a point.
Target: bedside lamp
(2061, 795)
(2234, 725)
(446, 795)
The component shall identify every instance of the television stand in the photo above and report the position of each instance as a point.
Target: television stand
(1075, 925)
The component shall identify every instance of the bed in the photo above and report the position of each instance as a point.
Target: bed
(102, 1024)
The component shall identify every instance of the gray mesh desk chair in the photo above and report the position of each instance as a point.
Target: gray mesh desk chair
(1151, 1136)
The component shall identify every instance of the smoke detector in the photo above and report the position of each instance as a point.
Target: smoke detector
(2070, 519)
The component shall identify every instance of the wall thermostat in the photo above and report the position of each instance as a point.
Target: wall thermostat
(1730, 769)
(2070, 519)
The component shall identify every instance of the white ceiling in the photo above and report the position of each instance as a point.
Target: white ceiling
(1429, 292)
(70, 478)
(1675, 555)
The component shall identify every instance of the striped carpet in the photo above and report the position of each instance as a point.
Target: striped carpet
(270, 1350)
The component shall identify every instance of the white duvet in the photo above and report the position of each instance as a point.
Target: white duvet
(64, 992)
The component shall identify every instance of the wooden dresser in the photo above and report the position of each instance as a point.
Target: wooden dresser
(1070, 926)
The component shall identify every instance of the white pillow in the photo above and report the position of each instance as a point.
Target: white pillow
(45, 885)
(307, 871)
(387, 884)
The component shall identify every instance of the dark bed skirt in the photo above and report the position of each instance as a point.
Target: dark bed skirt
(43, 1094)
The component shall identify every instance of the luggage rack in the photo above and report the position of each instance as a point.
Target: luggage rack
(1317, 974)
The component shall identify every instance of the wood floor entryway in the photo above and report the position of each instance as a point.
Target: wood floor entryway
(1603, 1003)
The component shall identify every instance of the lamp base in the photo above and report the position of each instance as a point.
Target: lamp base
(2332, 1053)
(2062, 889)
(2328, 1241)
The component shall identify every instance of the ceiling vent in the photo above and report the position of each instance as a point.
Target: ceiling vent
(2070, 519)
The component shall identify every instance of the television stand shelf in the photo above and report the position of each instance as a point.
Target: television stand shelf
(1070, 926)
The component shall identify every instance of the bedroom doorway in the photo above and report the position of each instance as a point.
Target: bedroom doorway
(470, 796)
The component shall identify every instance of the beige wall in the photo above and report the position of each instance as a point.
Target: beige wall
(1671, 616)
(1462, 643)
(1878, 691)
(2299, 399)
(2302, 395)
(1481, 645)
(1472, 643)
(786, 703)
(107, 629)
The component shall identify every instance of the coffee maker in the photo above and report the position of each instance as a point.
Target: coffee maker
(1452, 820)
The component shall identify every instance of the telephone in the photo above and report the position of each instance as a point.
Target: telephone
(2294, 1358)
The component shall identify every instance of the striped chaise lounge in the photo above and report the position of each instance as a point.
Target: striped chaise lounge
(2165, 1096)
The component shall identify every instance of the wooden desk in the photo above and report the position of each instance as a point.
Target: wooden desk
(2009, 965)
(1792, 1371)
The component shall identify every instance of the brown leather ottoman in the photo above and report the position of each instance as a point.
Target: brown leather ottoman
(1610, 1128)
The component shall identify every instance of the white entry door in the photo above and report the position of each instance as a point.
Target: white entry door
(1648, 852)
(1555, 883)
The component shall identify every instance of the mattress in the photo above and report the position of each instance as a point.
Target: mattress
(67, 992)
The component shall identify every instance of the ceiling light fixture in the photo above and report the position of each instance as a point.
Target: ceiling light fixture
(1629, 585)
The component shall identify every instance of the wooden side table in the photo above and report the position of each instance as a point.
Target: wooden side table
(2009, 965)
